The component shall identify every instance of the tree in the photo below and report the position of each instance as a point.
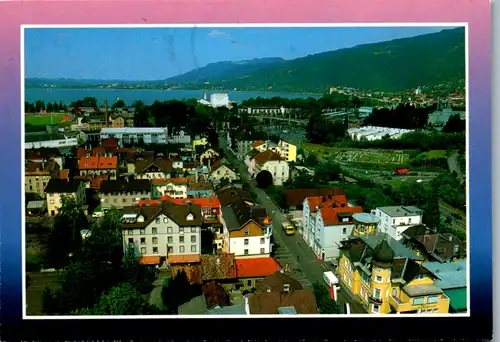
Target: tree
(50, 305)
(50, 108)
(215, 294)
(177, 291)
(454, 124)
(139, 275)
(264, 179)
(325, 303)
(326, 172)
(118, 104)
(123, 299)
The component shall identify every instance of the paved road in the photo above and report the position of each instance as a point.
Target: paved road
(306, 268)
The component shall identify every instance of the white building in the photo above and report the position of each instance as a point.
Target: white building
(150, 135)
(327, 222)
(179, 138)
(395, 220)
(371, 133)
(216, 100)
(247, 231)
(59, 143)
(168, 231)
(57, 189)
(173, 187)
(272, 162)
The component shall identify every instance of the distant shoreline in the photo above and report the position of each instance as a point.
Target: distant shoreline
(177, 89)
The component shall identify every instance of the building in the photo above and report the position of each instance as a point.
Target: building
(149, 167)
(452, 279)
(365, 224)
(208, 154)
(242, 148)
(172, 187)
(38, 174)
(216, 100)
(247, 230)
(121, 119)
(388, 278)
(272, 162)
(250, 271)
(327, 221)
(365, 112)
(371, 133)
(98, 166)
(58, 143)
(127, 135)
(168, 232)
(210, 206)
(43, 155)
(120, 193)
(218, 171)
(287, 151)
(434, 246)
(56, 189)
(277, 282)
(179, 137)
(197, 190)
(294, 198)
(396, 219)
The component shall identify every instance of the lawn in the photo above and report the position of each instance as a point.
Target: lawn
(432, 154)
(42, 120)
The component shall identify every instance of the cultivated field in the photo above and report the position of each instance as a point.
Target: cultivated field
(359, 156)
(42, 120)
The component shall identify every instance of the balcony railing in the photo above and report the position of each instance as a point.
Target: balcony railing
(374, 299)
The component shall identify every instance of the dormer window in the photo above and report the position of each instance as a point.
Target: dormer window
(189, 217)
(140, 218)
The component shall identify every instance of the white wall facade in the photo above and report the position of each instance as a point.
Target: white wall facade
(395, 226)
(173, 190)
(279, 169)
(250, 246)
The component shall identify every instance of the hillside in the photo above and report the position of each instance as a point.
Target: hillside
(388, 66)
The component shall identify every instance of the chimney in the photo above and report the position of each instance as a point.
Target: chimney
(286, 288)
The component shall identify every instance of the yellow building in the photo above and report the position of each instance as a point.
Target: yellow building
(57, 189)
(199, 141)
(287, 151)
(386, 283)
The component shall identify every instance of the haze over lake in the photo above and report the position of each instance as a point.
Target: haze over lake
(147, 96)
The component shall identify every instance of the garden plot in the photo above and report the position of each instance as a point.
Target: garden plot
(371, 157)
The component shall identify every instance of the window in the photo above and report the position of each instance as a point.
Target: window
(181, 249)
(181, 230)
(432, 299)
(262, 250)
(376, 293)
(409, 220)
(193, 248)
(115, 200)
(365, 277)
(157, 220)
(154, 231)
(246, 232)
(130, 240)
(245, 252)
(249, 282)
(362, 292)
(165, 220)
(393, 221)
(378, 279)
(262, 241)
(394, 292)
(181, 239)
(193, 238)
(350, 281)
(193, 229)
(170, 239)
(143, 231)
(155, 241)
(435, 310)
(375, 308)
(143, 241)
(170, 249)
(344, 230)
(418, 301)
(143, 250)
(246, 242)
(169, 230)
(155, 250)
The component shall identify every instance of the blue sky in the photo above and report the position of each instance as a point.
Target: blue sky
(158, 53)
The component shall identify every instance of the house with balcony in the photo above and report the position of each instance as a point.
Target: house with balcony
(247, 230)
(433, 246)
(98, 166)
(327, 221)
(394, 220)
(149, 167)
(219, 171)
(270, 161)
(388, 278)
(121, 193)
(172, 187)
(57, 188)
(162, 233)
(38, 174)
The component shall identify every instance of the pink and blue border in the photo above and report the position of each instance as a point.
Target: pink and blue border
(475, 13)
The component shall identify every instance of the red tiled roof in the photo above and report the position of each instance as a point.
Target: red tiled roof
(110, 143)
(183, 259)
(295, 197)
(179, 180)
(98, 151)
(330, 215)
(258, 143)
(80, 152)
(256, 267)
(326, 202)
(92, 163)
(266, 156)
(96, 181)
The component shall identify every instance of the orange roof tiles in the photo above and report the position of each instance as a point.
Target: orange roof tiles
(326, 202)
(150, 260)
(266, 156)
(256, 267)
(258, 143)
(183, 259)
(64, 174)
(330, 215)
(93, 163)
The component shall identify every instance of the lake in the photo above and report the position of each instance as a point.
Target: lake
(147, 96)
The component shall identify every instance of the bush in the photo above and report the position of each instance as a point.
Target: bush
(33, 264)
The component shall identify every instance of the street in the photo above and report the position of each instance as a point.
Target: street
(291, 250)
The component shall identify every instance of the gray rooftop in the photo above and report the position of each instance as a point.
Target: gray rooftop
(196, 306)
(35, 204)
(399, 250)
(401, 211)
(450, 275)
(366, 218)
(422, 290)
(287, 310)
(228, 310)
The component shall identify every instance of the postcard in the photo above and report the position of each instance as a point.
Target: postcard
(290, 168)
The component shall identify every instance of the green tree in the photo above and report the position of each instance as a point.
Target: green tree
(454, 124)
(327, 172)
(177, 291)
(139, 275)
(50, 108)
(118, 104)
(325, 303)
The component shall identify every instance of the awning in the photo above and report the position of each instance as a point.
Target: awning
(150, 260)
